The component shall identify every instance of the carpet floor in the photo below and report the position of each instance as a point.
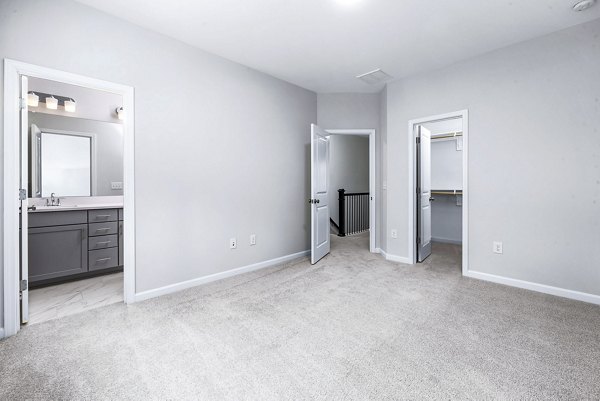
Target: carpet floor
(354, 326)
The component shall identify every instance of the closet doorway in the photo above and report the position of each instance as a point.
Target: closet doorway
(439, 204)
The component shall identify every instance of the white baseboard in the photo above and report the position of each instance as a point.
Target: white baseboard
(168, 289)
(528, 285)
(393, 258)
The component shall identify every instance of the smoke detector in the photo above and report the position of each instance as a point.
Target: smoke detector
(583, 5)
(374, 77)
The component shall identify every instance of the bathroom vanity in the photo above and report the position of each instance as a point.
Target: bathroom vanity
(74, 243)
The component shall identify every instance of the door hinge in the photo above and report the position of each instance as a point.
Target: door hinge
(22, 103)
(418, 140)
(23, 285)
(22, 194)
(418, 241)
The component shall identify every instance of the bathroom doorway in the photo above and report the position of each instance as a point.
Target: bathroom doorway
(69, 230)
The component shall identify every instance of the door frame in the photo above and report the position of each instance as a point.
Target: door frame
(373, 209)
(12, 72)
(412, 183)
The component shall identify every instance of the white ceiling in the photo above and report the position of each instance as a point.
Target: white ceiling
(322, 44)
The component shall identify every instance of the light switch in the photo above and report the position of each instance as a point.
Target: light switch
(498, 247)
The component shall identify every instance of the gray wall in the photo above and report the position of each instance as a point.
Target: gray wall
(348, 168)
(232, 162)
(109, 146)
(534, 156)
(356, 111)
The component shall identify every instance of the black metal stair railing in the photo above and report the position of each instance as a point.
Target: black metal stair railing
(353, 212)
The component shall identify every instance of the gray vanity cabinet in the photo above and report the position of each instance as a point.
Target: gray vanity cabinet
(74, 243)
(57, 251)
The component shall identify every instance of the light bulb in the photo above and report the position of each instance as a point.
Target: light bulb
(32, 99)
(51, 103)
(120, 113)
(70, 106)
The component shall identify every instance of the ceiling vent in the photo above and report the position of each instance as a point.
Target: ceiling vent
(375, 77)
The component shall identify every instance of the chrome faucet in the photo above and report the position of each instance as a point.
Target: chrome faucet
(52, 201)
(52, 198)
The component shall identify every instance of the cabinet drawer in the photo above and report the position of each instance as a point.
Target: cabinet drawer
(98, 216)
(103, 229)
(103, 259)
(103, 241)
(65, 218)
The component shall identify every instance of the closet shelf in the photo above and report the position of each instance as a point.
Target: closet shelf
(448, 135)
(446, 192)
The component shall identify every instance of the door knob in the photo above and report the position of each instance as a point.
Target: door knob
(317, 201)
(431, 199)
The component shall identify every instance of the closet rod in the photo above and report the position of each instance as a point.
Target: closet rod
(452, 135)
(446, 192)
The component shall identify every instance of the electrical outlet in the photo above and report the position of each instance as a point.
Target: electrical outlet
(116, 185)
(497, 247)
(252, 239)
(394, 233)
(232, 243)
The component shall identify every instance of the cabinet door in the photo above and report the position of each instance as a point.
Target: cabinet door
(57, 251)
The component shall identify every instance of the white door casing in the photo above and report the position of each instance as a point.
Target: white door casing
(24, 181)
(320, 242)
(424, 193)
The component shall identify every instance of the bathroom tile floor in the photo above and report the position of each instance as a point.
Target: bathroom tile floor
(60, 300)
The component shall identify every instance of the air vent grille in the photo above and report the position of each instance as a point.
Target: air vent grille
(375, 77)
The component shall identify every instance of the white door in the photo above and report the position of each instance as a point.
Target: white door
(24, 163)
(423, 194)
(319, 146)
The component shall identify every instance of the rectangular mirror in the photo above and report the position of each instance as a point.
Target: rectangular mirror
(64, 163)
(74, 157)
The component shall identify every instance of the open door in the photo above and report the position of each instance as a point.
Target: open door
(423, 194)
(319, 172)
(23, 196)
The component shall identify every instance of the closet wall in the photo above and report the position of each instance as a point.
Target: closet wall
(446, 174)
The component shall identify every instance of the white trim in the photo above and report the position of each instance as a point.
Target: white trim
(373, 210)
(141, 296)
(12, 71)
(528, 285)
(393, 258)
(464, 114)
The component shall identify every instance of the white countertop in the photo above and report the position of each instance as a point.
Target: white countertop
(63, 208)
(77, 203)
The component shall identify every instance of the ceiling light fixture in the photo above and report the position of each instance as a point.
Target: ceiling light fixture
(51, 103)
(583, 5)
(70, 105)
(33, 100)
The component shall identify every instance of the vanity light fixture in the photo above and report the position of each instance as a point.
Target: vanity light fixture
(120, 113)
(70, 105)
(51, 103)
(33, 100)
